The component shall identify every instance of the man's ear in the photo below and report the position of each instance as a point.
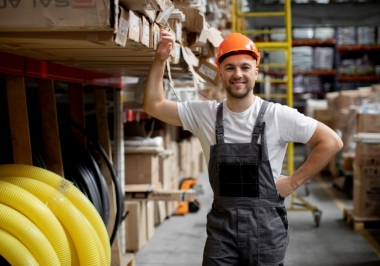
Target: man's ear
(257, 73)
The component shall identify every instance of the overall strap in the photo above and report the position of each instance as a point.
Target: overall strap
(219, 129)
(259, 129)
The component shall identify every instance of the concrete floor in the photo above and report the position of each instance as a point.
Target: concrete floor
(179, 240)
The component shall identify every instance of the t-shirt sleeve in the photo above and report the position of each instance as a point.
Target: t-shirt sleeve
(294, 126)
(191, 112)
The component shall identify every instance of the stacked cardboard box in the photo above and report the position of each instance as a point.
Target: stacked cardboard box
(344, 107)
(367, 168)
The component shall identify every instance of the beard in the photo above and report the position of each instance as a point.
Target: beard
(240, 94)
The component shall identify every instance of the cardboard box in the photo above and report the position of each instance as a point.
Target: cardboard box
(149, 192)
(137, 5)
(171, 207)
(121, 36)
(184, 158)
(55, 15)
(135, 225)
(147, 8)
(208, 71)
(176, 53)
(367, 191)
(159, 212)
(367, 153)
(176, 26)
(324, 116)
(134, 26)
(141, 168)
(352, 97)
(150, 226)
(368, 123)
(367, 148)
(163, 16)
(145, 32)
(195, 20)
(165, 171)
(155, 35)
(208, 50)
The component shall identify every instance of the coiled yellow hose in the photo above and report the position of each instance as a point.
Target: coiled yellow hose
(73, 251)
(14, 251)
(85, 239)
(70, 191)
(29, 235)
(38, 213)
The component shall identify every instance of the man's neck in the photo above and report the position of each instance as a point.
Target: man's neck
(240, 105)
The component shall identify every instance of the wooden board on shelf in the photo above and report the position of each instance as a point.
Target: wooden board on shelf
(89, 50)
(18, 120)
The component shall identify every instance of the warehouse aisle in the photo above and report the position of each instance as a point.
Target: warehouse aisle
(179, 240)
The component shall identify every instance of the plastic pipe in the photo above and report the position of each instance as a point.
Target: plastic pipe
(38, 213)
(73, 251)
(69, 190)
(34, 240)
(14, 251)
(85, 238)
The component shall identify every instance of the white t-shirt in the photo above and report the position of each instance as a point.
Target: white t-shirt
(282, 125)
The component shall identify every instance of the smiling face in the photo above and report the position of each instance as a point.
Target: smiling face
(238, 74)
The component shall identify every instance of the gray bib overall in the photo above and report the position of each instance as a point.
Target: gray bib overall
(248, 223)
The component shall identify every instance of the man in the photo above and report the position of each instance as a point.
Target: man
(244, 140)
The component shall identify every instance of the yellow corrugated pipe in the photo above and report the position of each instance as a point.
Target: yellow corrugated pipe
(34, 240)
(86, 240)
(70, 191)
(38, 213)
(14, 251)
(73, 251)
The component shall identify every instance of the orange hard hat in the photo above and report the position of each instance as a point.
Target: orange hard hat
(236, 43)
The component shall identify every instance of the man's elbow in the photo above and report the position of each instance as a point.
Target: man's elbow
(338, 144)
(147, 108)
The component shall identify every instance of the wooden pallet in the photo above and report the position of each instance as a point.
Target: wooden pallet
(359, 223)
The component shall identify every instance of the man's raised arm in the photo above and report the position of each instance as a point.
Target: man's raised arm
(154, 102)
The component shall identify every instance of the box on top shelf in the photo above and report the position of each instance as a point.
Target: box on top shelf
(195, 20)
(57, 15)
(208, 71)
(145, 31)
(157, 5)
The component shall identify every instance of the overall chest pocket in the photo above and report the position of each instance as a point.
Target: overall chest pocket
(238, 176)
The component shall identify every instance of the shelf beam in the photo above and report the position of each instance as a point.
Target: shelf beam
(29, 67)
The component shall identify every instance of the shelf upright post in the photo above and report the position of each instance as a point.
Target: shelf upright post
(18, 120)
(49, 126)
